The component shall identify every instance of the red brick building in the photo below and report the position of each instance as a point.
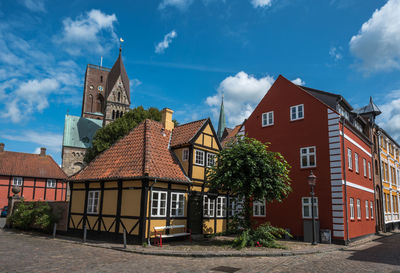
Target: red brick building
(317, 131)
(38, 176)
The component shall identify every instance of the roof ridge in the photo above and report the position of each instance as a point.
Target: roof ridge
(191, 122)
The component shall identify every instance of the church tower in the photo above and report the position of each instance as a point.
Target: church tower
(117, 93)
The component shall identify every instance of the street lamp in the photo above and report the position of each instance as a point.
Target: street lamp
(312, 181)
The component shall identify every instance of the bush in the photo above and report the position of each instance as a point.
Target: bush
(32, 215)
(265, 235)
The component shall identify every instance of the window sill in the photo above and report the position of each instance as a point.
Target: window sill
(269, 125)
(259, 216)
(292, 120)
(310, 167)
(201, 165)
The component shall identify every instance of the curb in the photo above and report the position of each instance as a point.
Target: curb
(202, 254)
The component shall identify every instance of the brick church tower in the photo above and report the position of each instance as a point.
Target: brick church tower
(106, 94)
(106, 97)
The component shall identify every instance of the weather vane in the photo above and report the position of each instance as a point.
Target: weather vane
(120, 43)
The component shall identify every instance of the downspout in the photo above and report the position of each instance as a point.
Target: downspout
(150, 204)
(380, 183)
(373, 175)
(345, 181)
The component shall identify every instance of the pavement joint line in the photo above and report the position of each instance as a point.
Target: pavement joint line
(202, 254)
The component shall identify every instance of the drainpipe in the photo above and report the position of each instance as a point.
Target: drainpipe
(380, 182)
(372, 123)
(345, 181)
(150, 204)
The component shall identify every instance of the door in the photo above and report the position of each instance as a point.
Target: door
(195, 213)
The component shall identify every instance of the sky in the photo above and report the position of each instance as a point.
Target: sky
(183, 54)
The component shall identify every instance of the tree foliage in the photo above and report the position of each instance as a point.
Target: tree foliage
(246, 168)
(108, 135)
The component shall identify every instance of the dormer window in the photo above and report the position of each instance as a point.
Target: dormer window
(343, 112)
(358, 126)
(17, 181)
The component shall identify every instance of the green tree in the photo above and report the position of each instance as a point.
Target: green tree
(248, 169)
(108, 135)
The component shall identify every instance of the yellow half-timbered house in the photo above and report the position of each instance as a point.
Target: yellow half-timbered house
(155, 176)
(390, 175)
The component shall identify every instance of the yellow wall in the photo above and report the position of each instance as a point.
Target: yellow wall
(185, 164)
(110, 202)
(78, 201)
(130, 205)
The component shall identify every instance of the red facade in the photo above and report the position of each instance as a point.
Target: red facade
(319, 129)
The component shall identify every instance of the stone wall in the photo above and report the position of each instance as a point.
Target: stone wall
(72, 160)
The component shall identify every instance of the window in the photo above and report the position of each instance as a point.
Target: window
(358, 209)
(297, 112)
(259, 208)
(93, 202)
(369, 170)
(51, 183)
(351, 208)
(366, 209)
(358, 126)
(235, 206)
(159, 203)
(17, 181)
(177, 204)
(221, 206)
(185, 154)
(350, 159)
(365, 167)
(372, 209)
(306, 204)
(199, 159)
(307, 157)
(210, 160)
(268, 119)
(208, 207)
(356, 162)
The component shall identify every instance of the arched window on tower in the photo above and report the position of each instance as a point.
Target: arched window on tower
(121, 114)
(119, 96)
(101, 78)
(90, 103)
(113, 114)
(376, 167)
(99, 104)
(117, 114)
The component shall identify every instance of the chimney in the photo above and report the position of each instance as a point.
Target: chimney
(42, 151)
(1, 147)
(166, 119)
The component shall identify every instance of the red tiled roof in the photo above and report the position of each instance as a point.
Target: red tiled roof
(144, 151)
(184, 133)
(29, 165)
(232, 133)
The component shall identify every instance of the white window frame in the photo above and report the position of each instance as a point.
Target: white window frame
(366, 209)
(356, 163)
(369, 170)
(306, 202)
(308, 154)
(221, 206)
(267, 119)
(211, 164)
(93, 202)
(18, 181)
(235, 206)
(358, 209)
(297, 112)
(350, 159)
(351, 208)
(185, 154)
(372, 209)
(257, 206)
(159, 202)
(51, 183)
(179, 204)
(208, 206)
(365, 167)
(199, 155)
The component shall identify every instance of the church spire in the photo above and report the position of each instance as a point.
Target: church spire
(221, 122)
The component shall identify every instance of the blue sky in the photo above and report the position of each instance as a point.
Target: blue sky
(183, 54)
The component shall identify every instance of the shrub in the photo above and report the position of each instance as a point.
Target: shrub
(32, 215)
(265, 235)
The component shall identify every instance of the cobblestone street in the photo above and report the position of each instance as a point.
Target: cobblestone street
(26, 253)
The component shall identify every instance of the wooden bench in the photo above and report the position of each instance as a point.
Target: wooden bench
(159, 236)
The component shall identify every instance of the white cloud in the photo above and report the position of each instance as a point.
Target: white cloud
(335, 53)
(37, 150)
(51, 141)
(93, 31)
(299, 81)
(179, 4)
(261, 3)
(389, 120)
(241, 94)
(164, 44)
(135, 83)
(34, 5)
(377, 44)
(29, 97)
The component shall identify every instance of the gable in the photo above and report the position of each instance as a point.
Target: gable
(118, 92)
(207, 137)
